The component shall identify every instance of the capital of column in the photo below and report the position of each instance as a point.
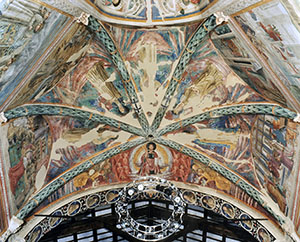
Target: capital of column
(83, 18)
(221, 17)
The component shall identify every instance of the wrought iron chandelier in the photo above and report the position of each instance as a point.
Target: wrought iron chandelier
(150, 188)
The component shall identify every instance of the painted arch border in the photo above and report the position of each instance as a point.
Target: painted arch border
(35, 222)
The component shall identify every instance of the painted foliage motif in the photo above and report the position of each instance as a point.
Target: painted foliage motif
(239, 57)
(270, 28)
(274, 142)
(26, 151)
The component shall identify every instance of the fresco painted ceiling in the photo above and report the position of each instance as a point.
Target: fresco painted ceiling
(174, 89)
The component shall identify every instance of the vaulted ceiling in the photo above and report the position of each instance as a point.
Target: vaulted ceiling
(87, 86)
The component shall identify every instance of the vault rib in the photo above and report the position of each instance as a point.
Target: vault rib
(75, 112)
(193, 43)
(105, 38)
(222, 170)
(83, 166)
(245, 108)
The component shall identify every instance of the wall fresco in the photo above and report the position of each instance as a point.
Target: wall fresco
(62, 59)
(225, 139)
(100, 89)
(78, 71)
(26, 30)
(207, 81)
(75, 140)
(271, 29)
(147, 12)
(156, 160)
(26, 150)
(151, 57)
(196, 82)
(204, 176)
(293, 7)
(275, 156)
(143, 160)
(168, 9)
(240, 58)
(20, 21)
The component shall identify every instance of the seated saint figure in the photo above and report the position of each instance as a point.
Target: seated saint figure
(148, 164)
